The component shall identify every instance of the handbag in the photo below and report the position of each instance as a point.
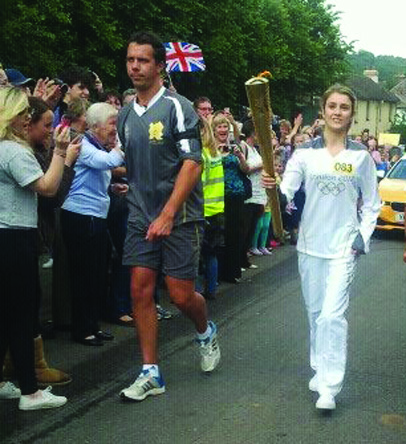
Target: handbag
(245, 179)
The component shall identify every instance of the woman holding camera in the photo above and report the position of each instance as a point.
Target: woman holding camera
(40, 137)
(234, 165)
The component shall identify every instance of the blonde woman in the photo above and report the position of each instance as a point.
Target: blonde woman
(213, 195)
(234, 165)
(21, 178)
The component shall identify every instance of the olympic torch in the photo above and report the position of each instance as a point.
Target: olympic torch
(260, 104)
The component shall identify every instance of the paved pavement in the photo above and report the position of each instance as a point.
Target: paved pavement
(259, 392)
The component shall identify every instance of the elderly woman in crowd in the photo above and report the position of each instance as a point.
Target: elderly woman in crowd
(84, 222)
(21, 178)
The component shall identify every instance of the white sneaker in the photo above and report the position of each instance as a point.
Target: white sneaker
(43, 399)
(313, 387)
(265, 251)
(209, 350)
(256, 252)
(48, 264)
(9, 391)
(326, 402)
(145, 385)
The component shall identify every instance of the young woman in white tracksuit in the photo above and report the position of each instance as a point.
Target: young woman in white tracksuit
(339, 216)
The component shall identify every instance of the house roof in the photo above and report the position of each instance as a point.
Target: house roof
(400, 91)
(366, 89)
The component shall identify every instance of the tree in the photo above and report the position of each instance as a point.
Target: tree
(399, 127)
(41, 38)
(297, 40)
(389, 68)
(308, 54)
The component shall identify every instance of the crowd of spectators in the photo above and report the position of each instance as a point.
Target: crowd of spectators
(385, 156)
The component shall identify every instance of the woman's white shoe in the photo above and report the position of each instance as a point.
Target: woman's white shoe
(42, 399)
(326, 402)
(9, 391)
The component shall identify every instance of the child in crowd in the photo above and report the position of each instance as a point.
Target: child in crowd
(261, 234)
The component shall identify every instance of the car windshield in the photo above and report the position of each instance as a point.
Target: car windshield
(398, 171)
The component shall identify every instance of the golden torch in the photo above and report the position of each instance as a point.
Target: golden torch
(260, 104)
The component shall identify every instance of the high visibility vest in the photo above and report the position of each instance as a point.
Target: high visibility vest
(213, 184)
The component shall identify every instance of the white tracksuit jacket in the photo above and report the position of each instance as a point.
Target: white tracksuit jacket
(331, 219)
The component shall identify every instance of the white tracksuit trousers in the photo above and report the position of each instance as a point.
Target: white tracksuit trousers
(325, 287)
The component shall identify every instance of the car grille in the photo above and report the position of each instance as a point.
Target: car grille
(398, 206)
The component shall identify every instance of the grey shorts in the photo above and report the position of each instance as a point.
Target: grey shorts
(176, 256)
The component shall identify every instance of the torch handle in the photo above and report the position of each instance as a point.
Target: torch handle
(260, 105)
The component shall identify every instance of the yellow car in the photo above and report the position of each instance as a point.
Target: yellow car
(392, 190)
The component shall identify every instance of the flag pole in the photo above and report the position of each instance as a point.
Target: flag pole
(166, 75)
(259, 100)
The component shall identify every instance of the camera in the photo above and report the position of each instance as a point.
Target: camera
(234, 148)
(64, 86)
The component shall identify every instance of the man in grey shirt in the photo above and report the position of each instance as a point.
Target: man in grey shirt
(161, 139)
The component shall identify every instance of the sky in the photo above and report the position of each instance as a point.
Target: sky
(378, 26)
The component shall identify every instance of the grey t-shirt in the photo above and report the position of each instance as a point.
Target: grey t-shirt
(156, 141)
(18, 203)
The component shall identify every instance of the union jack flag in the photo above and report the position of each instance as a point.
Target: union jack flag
(184, 57)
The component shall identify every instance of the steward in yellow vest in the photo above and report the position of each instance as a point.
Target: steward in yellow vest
(213, 184)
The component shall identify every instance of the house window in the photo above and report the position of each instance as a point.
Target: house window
(367, 110)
